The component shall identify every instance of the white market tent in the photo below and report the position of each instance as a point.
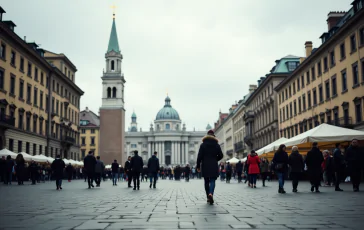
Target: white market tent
(50, 159)
(6, 152)
(26, 156)
(244, 159)
(325, 133)
(40, 158)
(233, 160)
(66, 161)
(108, 166)
(272, 146)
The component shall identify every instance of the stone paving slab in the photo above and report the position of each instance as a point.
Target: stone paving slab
(177, 205)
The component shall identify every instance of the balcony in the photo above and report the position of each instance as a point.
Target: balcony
(68, 140)
(230, 152)
(7, 121)
(249, 116)
(345, 122)
(248, 139)
(239, 146)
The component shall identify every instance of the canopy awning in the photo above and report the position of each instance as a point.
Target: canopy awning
(233, 160)
(5, 152)
(272, 146)
(26, 156)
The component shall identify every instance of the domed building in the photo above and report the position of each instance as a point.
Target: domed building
(168, 136)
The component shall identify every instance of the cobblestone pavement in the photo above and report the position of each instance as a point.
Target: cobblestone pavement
(177, 205)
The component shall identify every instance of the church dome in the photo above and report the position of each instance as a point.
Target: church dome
(167, 112)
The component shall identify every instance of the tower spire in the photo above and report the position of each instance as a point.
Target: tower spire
(113, 41)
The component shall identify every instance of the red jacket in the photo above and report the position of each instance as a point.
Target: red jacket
(253, 162)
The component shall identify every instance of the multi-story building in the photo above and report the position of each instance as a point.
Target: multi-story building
(328, 86)
(261, 116)
(239, 126)
(89, 132)
(219, 131)
(39, 100)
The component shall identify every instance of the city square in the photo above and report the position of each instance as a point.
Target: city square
(177, 205)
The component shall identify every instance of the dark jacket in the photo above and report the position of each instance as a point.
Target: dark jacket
(33, 168)
(127, 166)
(69, 169)
(57, 166)
(89, 163)
(329, 164)
(153, 164)
(314, 160)
(9, 165)
(295, 161)
(354, 157)
(187, 170)
(115, 167)
(136, 163)
(208, 156)
(99, 167)
(339, 160)
(280, 157)
(239, 167)
(264, 166)
(2, 166)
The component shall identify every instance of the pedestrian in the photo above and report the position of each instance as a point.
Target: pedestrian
(314, 160)
(153, 168)
(354, 158)
(246, 172)
(187, 172)
(264, 170)
(136, 165)
(239, 170)
(20, 168)
(253, 162)
(128, 171)
(222, 170)
(58, 166)
(89, 163)
(99, 171)
(9, 170)
(122, 172)
(339, 165)
(114, 171)
(33, 168)
(228, 170)
(295, 161)
(280, 164)
(209, 155)
(69, 171)
(328, 167)
(144, 173)
(3, 169)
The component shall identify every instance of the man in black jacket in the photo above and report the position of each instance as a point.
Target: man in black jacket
(354, 158)
(153, 167)
(57, 167)
(187, 172)
(128, 171)
(114, 171)
(89, 164)
(339, 163)
(136, 165)
(239, 170)
(314, 160)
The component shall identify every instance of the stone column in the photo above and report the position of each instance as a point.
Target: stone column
(150, 149)
(175, 152)
(178, 158)
(173, 155)
(163, 154)
(186, 153)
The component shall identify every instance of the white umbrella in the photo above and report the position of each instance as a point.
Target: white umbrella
(5, 152)
(26, 156)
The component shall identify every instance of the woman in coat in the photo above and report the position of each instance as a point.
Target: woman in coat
(264, 170)
(253, 162)
(295, 161)
(20, 168)
(208, 157)
(280, 164)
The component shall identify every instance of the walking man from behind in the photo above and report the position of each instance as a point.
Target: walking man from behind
(128, 171)
(99, 170)
(339, 166)
(354, 158)
(314, 160)
(114, 171)
(153, 167)
(89, 163)
(57, 166)
(136, 165)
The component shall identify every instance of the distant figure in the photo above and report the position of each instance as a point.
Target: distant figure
(239, 170)
(153, 168)
(339, 162)
(295, 161)
(228, 172)
(208, 157)
(354, 158)
(280, 164)
(264, 170)
(9, 170)
(20, 168)
(136, 165)
(114, 171)
(253, 162)
(99, 171)
(314, 160)
(89, 164)
(128, 171)
(187, 172)
(58, 166)
(69, 171)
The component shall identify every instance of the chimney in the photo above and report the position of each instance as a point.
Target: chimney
(2, 11)
(333, 17)
(252, 88)
(259, 82)
(87, 109)
(25, 38)
(308, 48)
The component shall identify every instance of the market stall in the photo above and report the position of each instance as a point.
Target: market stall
(5, 152)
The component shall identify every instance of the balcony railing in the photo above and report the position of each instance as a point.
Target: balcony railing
(248, 139)
(239, 146)
(7, 120)
(342, 122)
(69, 140)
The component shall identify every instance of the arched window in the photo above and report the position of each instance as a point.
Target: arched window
(168, 126)
(108, 92)
(112, 65)
(114, 92)
(158, 128)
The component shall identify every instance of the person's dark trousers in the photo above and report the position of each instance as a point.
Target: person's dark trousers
(130, 178)
(90, 179)
(136, 179)
(69, 176)
(98, 178)
(209, 185)
(59, 182)
(337, 179)
(295, 176)
(153, 179)
(329, 177)
(33, 177)
(264, 177)
(239, 176)
(355, 178)
(187, 177)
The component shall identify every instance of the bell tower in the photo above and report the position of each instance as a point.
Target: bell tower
(112, 112)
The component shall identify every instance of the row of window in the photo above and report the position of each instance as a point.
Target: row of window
(317, 69)
(57, 88)
(264, 95)
(38, 149)
(83, 131)
(83, 141)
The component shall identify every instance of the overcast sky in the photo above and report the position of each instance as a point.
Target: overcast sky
(204, 52)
